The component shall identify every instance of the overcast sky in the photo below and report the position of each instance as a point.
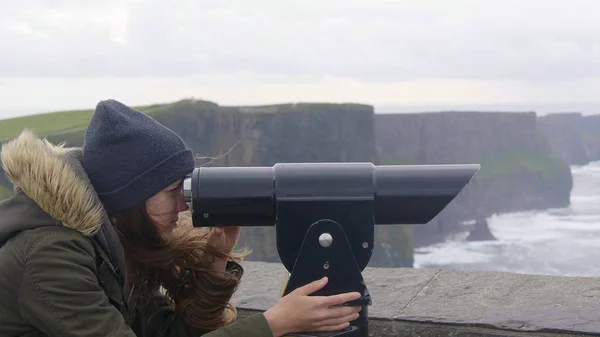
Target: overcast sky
(63, 54)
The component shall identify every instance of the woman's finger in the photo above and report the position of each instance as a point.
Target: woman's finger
(337, 320)
(335, 312)
(310, 288)
(341, 298)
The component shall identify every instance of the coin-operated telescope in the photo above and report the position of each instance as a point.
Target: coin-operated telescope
(325, 214)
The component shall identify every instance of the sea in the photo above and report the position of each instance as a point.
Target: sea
(562, 241)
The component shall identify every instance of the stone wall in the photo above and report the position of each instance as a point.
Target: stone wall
(435, 303)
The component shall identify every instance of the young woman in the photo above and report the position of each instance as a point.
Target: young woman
(91, 244)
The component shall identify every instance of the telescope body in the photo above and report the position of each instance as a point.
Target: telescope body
(249, 196)
(325, 213)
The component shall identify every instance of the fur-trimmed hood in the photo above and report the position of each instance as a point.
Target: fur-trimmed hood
(53, 177)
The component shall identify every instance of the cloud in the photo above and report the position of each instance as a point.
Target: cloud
(64, 54)
(294, 41)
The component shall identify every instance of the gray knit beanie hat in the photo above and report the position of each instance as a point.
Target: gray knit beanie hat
(129, 156)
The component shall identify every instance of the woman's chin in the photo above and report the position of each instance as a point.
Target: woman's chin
(167, 229)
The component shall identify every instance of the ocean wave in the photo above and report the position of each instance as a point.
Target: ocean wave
(561, 241)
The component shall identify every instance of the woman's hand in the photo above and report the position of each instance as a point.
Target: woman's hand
(299, 312)
(223, 239)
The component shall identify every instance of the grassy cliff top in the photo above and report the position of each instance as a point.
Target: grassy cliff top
(45, 123)
(73, 121)
(49, 123)
(517, 160)
(304, 107)
(504, 164)
(465, 113)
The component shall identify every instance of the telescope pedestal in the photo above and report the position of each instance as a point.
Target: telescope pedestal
(326, 251)
(325, 214)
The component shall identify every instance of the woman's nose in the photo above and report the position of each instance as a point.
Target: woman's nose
(182, 205)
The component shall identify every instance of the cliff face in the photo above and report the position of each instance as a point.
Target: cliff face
(591, 137)
(572, 136)
(519, 170)
(263, 136)
(452, 137)
(564, 134)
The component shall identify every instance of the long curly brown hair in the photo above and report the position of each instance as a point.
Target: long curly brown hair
(181, 265)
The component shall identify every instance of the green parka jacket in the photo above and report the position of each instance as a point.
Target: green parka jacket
(60, 261)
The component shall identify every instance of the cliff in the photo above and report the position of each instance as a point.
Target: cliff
(591, 137)
(518, 168)
(436, 303)
(265, 135)
(572, 136)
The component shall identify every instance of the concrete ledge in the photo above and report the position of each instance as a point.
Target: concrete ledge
(433, 302)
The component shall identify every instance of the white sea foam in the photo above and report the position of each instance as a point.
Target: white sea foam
(552, 242)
